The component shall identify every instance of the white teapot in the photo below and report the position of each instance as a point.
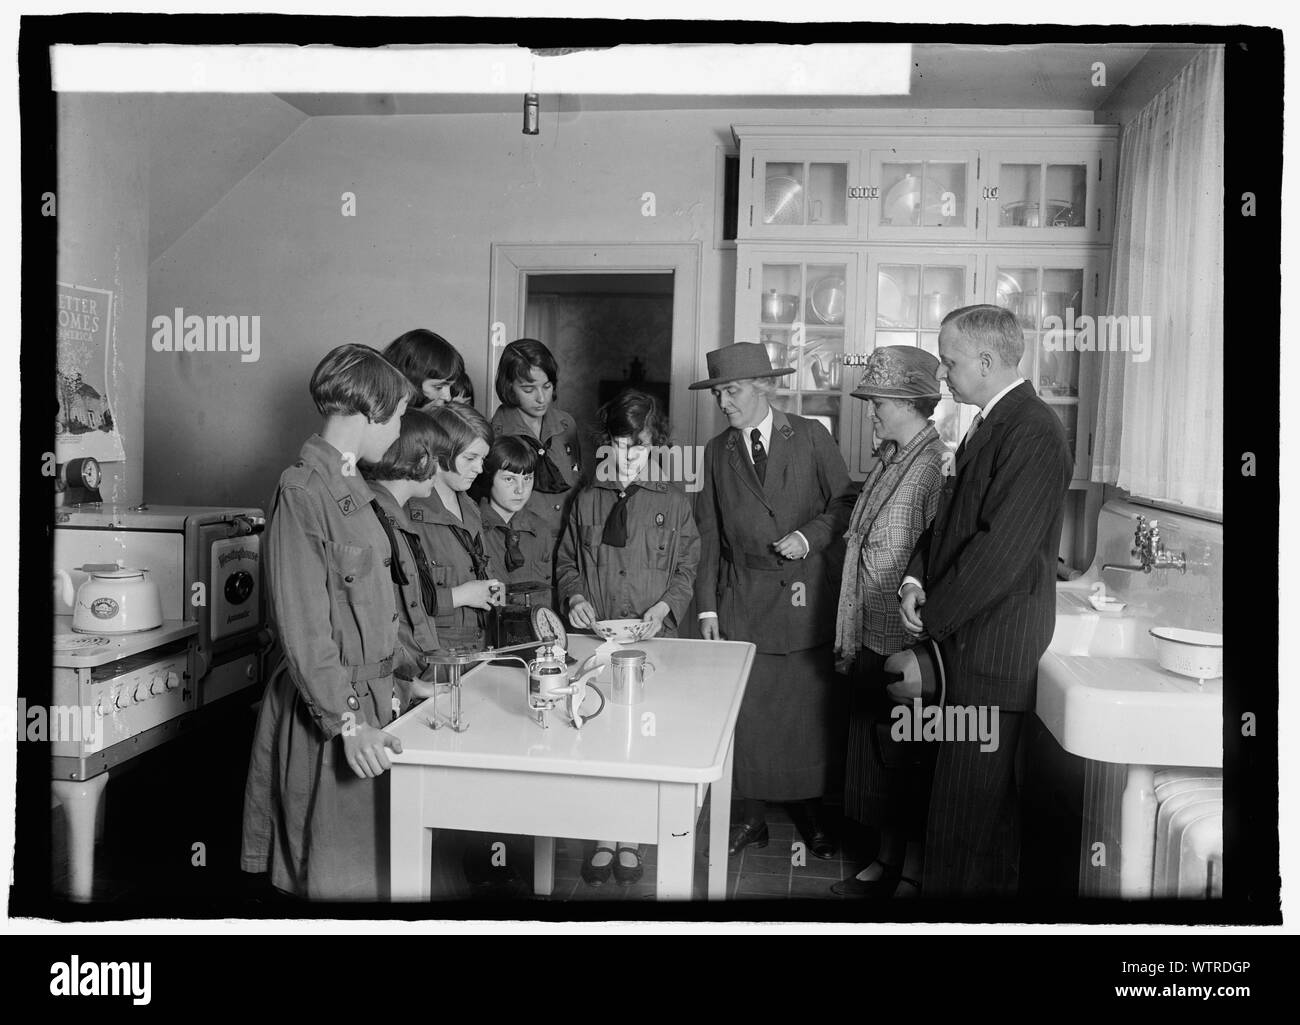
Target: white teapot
(113, 600)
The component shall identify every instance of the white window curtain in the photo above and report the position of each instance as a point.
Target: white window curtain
(1159, 425)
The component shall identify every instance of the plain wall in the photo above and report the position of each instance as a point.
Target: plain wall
(432, 194)
(103, 232)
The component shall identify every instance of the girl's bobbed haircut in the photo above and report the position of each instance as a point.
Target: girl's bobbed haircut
(629, 413)
(456, 427)
(462, 389)
(509, 452)
(518, 361)
(356, 379)
(410, 457)
(422, 355)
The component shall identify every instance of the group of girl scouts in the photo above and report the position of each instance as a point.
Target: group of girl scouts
(405, 520)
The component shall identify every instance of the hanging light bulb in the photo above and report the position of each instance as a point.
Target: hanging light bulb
(531, 114)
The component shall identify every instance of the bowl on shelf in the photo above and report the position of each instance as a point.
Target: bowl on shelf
(827, 300)
(779, 307)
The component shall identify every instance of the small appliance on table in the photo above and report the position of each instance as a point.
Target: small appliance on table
(637, 771)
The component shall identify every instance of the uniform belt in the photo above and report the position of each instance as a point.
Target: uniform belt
(766, 562)
(372, 670)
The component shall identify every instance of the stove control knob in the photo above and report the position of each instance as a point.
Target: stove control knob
(173, 680)
(157, 684)
(121, 699)
(141, 692)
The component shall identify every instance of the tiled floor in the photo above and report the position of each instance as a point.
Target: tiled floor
(773, 872)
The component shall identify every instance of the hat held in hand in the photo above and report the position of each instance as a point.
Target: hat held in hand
(916, 672)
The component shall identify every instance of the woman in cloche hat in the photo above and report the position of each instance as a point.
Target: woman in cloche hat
(884, 786)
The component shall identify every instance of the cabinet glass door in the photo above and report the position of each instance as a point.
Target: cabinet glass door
(1048, 300)
(907, 299)
(802, 195)
(1043, 197)
(921, 195)
(804, 314)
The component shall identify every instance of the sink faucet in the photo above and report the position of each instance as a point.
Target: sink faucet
(1150, 551)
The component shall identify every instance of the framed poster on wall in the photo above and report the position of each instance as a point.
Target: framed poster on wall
(85, 424)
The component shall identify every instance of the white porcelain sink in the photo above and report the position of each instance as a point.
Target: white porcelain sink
(1103, 696)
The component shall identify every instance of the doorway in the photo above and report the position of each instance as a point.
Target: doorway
(615, 316)
(607, 331)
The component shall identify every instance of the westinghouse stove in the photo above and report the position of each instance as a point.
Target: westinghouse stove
(116, 696)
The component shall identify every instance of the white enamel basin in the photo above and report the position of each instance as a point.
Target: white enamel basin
(1103, 696)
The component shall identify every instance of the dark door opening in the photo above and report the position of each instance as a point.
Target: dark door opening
(607, 332)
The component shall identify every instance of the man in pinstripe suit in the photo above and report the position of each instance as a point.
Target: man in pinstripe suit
(982, 582)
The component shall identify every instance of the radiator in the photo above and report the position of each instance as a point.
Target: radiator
(1188, 862)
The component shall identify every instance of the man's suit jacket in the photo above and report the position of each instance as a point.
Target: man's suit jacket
(988, 561)
(753, 590)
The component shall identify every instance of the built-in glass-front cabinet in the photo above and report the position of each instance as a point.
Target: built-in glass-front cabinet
(849, 243)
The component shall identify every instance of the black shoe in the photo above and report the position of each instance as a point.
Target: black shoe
(883, 886)
(628, 875)
(748, 834)
(809, 823)
(594, 876)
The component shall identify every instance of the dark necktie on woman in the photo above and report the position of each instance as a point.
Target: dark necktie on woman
(428, 595)
(428, 592)
(759, 453)
(614, 533)
(547, 477)
(514, 556)
(473, 545)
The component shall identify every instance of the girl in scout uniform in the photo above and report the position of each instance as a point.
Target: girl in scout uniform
(406, 472)
(526, 381)
(430, 362)
(448, 524)
(629, 550)
(519, 544)
(315, 803)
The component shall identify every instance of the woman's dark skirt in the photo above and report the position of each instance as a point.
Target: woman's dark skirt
(791, 728)
(883, 785)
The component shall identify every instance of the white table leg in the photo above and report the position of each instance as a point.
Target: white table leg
(1137, 833)
(543, 865)
(719, 829)
(676, 840)
(410, 840)
(80, 800)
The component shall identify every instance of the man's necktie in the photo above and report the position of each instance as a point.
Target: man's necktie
(614, 533)
(759, 453)
(975, 426)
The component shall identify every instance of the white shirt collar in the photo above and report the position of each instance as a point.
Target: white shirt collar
(765, 430)
(988, 408)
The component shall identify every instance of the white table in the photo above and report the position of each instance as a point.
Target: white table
(637, 773)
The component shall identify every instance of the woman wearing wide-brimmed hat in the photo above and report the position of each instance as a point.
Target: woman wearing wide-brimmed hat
(886, 782)
(772, 509)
